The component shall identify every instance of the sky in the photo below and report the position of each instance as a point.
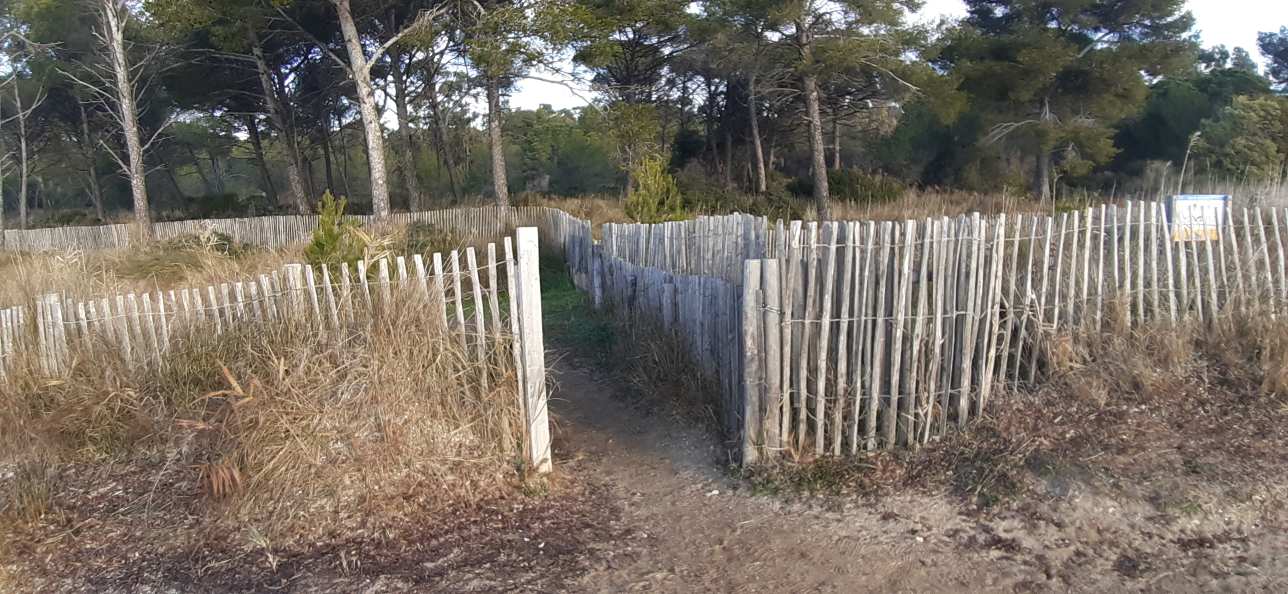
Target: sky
(1232, 23)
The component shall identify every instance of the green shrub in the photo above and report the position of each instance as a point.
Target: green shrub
(334, 239)
(656, 197)
(853, 185)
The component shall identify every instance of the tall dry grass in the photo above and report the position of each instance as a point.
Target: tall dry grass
(1161, 179)
(192, 261)
(598, 209)
(913, 204)
(187, 261)
(1187, 416)
(274, 425)
(932, 202)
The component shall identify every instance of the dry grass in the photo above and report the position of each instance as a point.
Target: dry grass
(189, 261)
(920, 204)
(1159, 180)
(914, 204)
(1183, 418)
(276, 428)
(659, 367)
(596, 209)
(192, 261)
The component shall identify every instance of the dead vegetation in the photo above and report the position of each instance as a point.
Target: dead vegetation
(196, 260)
(1187, 419)
(193, 261)
(272, 437)
(658, 367)
(912, 204)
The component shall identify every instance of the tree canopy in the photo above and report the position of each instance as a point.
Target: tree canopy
(258, 106)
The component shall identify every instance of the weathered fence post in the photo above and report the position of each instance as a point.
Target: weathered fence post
(54, 333)
(295, 286)
(533, 351)
(752, 382)
(668, 306)
(597, 277)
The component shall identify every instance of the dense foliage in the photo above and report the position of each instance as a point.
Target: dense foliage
(247, 107)
(334, 239)
(655, 197)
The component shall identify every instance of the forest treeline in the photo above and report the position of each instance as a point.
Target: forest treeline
(197, 108)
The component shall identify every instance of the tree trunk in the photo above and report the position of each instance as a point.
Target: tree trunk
(757, 151)
(257, 143)
(809, 82)
(196, 164)
(822, 194)
(217, 172)
(836, 142)
(685, 100)
(96, 192)
(708, 125)
(2, 211)
(728, 158)
(308, 177)
(406, 156)
(1042, 179)
(440, 141)
(499, 182)
(23, 165)
(169, 174)
(295, 193)
(327, 161)
(344, 156)
(128, 115)
(367, 106)
(91, 164)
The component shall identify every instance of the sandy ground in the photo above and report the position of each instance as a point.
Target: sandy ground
(694, 528)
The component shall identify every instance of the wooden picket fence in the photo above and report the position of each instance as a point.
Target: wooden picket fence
(482, 222)
(465, 289)
(841, 337)
(867, 335)
(837, 338)
(684, 277)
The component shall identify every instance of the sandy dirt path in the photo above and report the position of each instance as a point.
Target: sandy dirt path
(691, 527)
(694, 528)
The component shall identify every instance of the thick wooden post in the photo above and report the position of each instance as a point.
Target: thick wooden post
(533, 349)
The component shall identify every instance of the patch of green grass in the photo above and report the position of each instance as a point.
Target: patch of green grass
(568, 316)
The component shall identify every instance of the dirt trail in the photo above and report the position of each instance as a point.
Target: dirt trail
(694, 530)
(691, 527)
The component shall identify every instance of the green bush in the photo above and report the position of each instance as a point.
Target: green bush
(853, 185)
(334, 239)
(656, 197)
